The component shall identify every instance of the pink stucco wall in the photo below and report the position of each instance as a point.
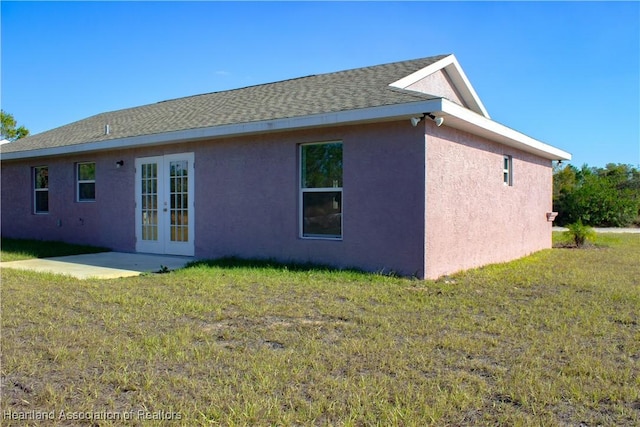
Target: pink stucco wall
(472, 218)
(438, 84)
(105, 222)
(252, 197)
(247, 199)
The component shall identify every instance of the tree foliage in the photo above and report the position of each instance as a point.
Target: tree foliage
(8, 129)
(607, 197)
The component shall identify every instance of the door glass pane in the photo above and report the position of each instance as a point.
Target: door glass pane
(179, 224)
(149, 202)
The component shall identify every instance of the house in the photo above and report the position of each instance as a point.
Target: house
(395, 167)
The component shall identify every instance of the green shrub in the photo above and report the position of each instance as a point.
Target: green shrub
(602, 197)
(580, 233)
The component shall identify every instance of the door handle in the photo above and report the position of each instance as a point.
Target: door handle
(165, 209)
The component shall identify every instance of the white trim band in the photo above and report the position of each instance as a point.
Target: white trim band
(455, 116)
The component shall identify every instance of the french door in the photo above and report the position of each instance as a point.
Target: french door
(164, 204)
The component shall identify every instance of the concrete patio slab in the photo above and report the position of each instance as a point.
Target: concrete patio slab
(104, 265)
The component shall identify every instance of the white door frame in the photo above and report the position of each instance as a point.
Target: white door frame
(160, 215)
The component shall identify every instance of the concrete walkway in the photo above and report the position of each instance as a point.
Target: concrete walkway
(105, 265)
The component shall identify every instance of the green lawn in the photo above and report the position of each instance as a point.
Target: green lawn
(551, 339)
(17, 249)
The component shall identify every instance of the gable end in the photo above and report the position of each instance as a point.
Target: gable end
(451, 71)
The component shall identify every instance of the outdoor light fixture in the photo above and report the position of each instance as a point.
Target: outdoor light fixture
(119, 163)
(438, 119)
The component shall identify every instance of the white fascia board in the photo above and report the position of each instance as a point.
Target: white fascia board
(363, 115)
(460, 80)
(451, 65)
(455, 116)
(467, 120)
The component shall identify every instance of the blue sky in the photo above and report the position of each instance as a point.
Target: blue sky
(566, 73)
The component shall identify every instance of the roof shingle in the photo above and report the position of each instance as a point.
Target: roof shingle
(316, 94)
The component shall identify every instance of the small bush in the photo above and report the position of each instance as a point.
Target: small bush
(580, 233)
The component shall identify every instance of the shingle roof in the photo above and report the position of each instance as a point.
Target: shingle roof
(315, 94)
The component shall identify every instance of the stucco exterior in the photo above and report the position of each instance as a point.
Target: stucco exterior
(416, 199)
(473, 218)
(440, 83)
(105, 222)
(423, 201)
(247, 198)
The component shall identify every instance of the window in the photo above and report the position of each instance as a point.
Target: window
(41, 189)
(86, 179)
(321, 190)
(507, 170)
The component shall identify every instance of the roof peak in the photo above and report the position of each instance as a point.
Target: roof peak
(337, 92)
(434, 58)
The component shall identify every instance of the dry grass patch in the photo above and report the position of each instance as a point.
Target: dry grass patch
(552, 339)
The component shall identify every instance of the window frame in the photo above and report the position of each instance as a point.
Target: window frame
(507, 170)
(37, 190)
(302, 191)
(85, 181)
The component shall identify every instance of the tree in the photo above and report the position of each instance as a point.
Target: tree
(8, 128)
(607, 196)
(564, 181)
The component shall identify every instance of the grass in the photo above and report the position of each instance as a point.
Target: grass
(551, 339)
(18, 249)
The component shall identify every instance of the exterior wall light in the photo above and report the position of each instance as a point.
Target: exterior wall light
(415, 121)
(438, 119)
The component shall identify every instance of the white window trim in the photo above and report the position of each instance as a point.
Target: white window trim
(508, 171)
(84, 181)
(38, 190)
(302, 191)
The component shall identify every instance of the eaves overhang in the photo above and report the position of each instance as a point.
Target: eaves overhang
(455, 116)
(464, 119)
(363, 115)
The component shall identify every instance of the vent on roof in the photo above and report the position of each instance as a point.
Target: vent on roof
(106, 129)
